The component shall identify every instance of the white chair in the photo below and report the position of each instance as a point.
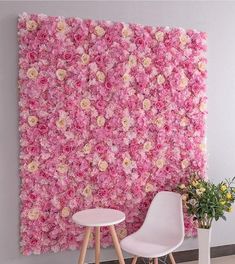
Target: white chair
(162, 231)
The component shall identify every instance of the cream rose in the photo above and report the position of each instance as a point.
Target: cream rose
(62, 168)
(159, 163)
(103, 165)
(132, 61)
(147, 146)
(149, 187)
(159, 122)
(146, 62)
(65, 212)
(160, 79)
(33, 166)
(61, 26)
(32, 73)
(85, 58)
(184, 163)
(184, 122)
(159, 35)
(31, 25)
(99, 31)
(87, 192)
(126, 32)
(61, 123)
(100, 76)
(100, 121)
(33, 214)
(85, 104)
(184, 39)
(32, 121)
(61, 74)
(146, 104)
(87, 148)
(201, 66)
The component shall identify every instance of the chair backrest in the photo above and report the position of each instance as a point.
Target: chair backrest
(165, 216)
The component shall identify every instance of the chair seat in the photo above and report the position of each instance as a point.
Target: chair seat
(149, 248)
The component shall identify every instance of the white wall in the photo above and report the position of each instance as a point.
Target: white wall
(216, 18)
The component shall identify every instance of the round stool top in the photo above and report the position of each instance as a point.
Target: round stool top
(98, 217)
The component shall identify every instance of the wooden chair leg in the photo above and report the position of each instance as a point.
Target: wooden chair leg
(156, 261)
(134, 260)
(116, 244)
(97, 245)
(172, 258)
(84, 245)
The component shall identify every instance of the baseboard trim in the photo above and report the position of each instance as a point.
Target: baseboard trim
(190, 255)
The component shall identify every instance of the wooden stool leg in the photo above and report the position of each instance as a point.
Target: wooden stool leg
(156, 261)
(97, 245)
(116, 244)
(172, 258)
(134, 260)
(84, 245)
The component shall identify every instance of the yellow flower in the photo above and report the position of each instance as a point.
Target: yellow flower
(132, 61)
(100, 121)
(61, 123)
(99, 31)
(61, 74)
(222, 202)
(146, 104)
(126, 163)
(32, 121)
(33, 214)
(184, 39)
(103, 165)
(126, 78)
(201, 66)
(184, 122)
(159, 35)
(33, 166)
(87, 148)
(230, 209)
(126, 32)
(159, 122)
(184, 163)
(85, 104)
(61, 26)
(229, 196)
(182, 186)
(160, 79)
(223, 188)
(202, 189)
(183, 83)
(159, 163)
(31, 25)
(147, 146)
(65, 212)
(195, 183)
(100, 76)
(202, 107)
(62, 168)
(184, 197)
(87, 192)
(148, 187)
(199, 192)
(32, 73)
(85, 58)
(146, 62)
(126, 123)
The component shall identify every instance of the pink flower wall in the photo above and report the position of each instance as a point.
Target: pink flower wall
(110, 114)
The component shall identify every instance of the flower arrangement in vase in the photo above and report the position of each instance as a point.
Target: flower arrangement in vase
(205, 202)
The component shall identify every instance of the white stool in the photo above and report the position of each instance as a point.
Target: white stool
(98, 217)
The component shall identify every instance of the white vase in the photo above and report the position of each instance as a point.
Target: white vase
(204, 241)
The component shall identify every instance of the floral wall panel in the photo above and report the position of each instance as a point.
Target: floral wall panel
(110, 114)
